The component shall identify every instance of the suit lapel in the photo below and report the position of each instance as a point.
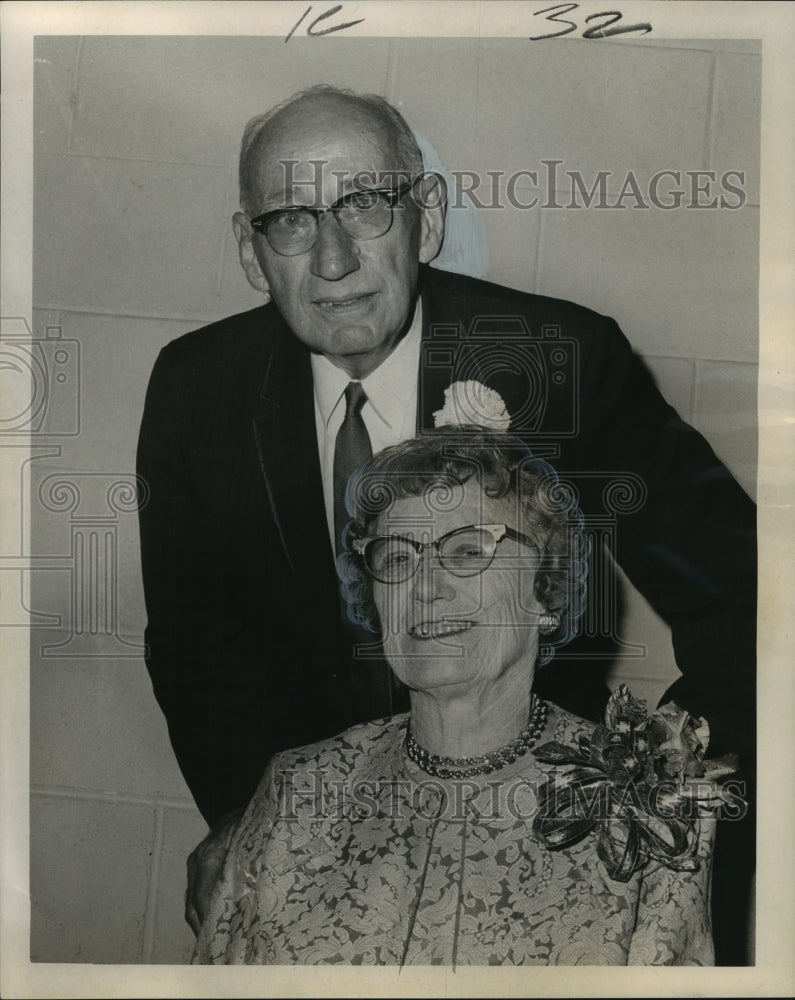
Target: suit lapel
(287, 443)
(442, 331)
(465, 338)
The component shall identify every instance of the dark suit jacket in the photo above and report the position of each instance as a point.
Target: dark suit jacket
(246, 652)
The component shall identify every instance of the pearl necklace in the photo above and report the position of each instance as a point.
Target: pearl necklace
(468, 767)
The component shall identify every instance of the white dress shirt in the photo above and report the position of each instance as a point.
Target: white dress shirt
(390, 413)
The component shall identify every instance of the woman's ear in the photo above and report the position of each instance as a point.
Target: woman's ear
(248, 256)
(431, 197)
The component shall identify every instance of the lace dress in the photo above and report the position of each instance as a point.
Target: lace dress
(349, 853)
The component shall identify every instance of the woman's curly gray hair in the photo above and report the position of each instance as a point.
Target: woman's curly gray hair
(504, 467)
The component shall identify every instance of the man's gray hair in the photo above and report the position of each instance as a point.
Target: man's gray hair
(409, 155)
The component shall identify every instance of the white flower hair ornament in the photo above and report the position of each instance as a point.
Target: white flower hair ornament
(472, 402)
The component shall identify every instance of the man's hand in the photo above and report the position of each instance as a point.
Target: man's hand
(204, 867)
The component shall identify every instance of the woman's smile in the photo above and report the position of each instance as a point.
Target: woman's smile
(435, 629)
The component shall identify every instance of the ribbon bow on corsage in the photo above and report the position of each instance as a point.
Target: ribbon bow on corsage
(640, 781)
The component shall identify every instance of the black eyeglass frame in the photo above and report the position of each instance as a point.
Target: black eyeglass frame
(392, 195)
(499, 533)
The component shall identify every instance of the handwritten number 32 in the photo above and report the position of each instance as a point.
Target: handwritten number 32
(596, 31)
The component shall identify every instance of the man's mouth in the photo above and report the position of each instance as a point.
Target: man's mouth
(439, 629)
(342, 304)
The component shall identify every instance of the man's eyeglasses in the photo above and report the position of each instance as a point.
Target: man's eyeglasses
(363, 215)
(464, 552)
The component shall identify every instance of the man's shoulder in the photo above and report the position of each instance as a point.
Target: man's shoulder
(466, 297)
(243, 332)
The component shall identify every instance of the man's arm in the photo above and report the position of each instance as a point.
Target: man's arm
(191, 680)
(690, 548)
(206, 675)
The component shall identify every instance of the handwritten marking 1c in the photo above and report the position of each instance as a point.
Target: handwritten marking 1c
(312, 33)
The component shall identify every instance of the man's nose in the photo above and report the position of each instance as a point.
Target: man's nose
(432, 581)
(334, 254)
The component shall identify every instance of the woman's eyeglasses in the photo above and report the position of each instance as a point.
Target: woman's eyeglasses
(463, 552)
(363, 215)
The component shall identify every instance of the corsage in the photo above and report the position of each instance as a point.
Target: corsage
(640, 782)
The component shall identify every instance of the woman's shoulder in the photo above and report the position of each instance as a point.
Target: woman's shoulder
(349, 750)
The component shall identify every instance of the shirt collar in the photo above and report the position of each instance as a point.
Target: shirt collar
(385, 387)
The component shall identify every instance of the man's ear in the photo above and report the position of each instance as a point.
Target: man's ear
(248, 256)
(431, 197)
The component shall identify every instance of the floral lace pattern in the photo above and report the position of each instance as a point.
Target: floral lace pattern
(348, 853)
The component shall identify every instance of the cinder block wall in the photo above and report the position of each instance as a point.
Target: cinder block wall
(135, 183)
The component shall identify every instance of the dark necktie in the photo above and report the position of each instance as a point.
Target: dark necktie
(352, 447)
(371, 677)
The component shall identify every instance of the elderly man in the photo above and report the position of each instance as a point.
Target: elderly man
(253, 424)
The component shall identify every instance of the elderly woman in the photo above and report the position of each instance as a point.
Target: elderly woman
(486, 827)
